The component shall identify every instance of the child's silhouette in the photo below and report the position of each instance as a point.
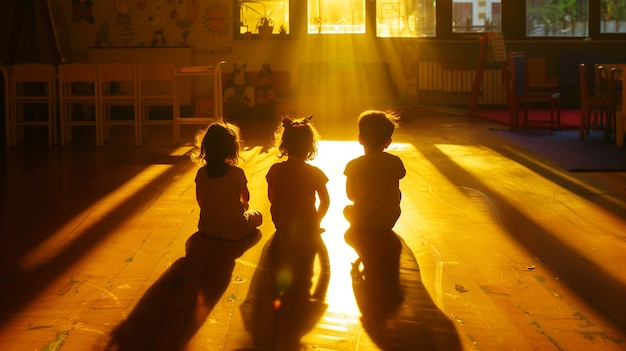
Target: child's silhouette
(373, 180)
(293, 189)
(293, 184)
(221, 187)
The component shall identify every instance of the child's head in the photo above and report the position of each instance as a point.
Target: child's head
(297, 138)
(376, 128)
(217, 147)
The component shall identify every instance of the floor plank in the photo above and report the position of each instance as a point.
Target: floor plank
(496, 249)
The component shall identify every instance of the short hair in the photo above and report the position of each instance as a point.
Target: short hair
(376, 127)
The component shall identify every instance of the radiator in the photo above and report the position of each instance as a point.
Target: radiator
(431, 76)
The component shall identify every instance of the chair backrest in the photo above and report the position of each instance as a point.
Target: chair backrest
(72, 73)
(584, 86)
(519, 73)
(537, 70)
(156, 79)
(117, 78)
(601, 78)
(32, 79)
(616, 84)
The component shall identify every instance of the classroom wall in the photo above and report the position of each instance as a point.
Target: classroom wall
(207, 27)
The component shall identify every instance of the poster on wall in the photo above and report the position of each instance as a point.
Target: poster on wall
(143, 23)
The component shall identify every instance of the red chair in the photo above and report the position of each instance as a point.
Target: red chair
(616, 84)
(592, 106)
(522, 97)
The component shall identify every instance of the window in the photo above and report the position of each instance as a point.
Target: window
(476, 16)
(405, 18)
(336, 16)
(557, 18)
(256, 15)
(613, 16)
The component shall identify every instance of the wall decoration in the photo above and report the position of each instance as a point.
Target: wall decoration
(102, 35)
(159, 38)
(216, 18)
(122, 16)
(193, 7)
(82, 11)
(141, 5)
(173, 12)
(126, 36)
(184, 25)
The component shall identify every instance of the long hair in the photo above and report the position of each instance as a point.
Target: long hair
(217, 147)
(297, 137)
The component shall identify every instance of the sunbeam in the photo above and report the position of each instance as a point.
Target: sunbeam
(74, 228)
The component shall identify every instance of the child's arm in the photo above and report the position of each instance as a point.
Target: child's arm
(244, 196)
(244, 192)
(324, 203)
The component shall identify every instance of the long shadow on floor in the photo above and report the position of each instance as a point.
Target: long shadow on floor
(397, 311)
(178, 303)
(287, 293)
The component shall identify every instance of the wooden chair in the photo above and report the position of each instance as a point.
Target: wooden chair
(214, 72)
(78, 100)
(592, 106)
(522, 97)
(32, 100)
(156, 88)
(7, 103)
(602, 119)
(616, 84)
(119, 88)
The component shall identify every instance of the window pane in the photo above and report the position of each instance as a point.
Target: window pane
(557, 18)
(405, 18)
(476, 16)
(613, 16)
(252, 13)
(336, 16)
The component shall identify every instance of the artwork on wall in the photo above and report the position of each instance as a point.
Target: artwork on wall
(82, 11)
(138, 23)
(216, 18)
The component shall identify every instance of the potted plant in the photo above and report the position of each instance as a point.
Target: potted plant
(265, 27)
(265, 23)
(282, 31)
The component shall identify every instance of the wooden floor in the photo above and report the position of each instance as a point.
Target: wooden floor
(496, 249)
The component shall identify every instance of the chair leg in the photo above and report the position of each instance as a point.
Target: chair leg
(558, 113)
(583, 125)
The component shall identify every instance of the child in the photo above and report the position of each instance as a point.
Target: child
(292, 188)
(294, 184)
(373, 180)
(221, 187)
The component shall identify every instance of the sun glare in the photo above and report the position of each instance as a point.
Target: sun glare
(332, 158)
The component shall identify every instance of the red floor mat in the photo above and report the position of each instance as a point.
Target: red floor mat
(570, 118)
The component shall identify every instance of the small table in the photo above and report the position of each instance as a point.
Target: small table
(621, 115)
(199, 71)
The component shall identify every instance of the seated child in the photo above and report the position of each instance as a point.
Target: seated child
(221, 187)
(373, 180)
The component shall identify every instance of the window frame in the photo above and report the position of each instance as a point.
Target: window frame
(513, 26)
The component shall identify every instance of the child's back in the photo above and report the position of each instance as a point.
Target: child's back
(373, 180)
(294, 185)
(221, 187)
